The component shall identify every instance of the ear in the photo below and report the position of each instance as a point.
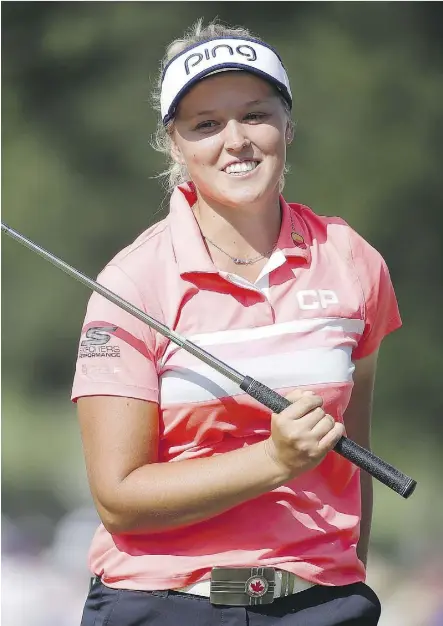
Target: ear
(289, 133)
(176, 153)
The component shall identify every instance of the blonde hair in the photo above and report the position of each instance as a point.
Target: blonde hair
(176, 173)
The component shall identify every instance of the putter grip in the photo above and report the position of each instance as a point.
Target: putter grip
(364, 459)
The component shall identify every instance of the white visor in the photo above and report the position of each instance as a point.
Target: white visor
(218, 55)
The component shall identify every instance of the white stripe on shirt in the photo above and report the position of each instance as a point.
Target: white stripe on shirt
(302, 367)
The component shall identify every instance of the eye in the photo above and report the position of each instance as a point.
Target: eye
(208, 125)
(256, 117)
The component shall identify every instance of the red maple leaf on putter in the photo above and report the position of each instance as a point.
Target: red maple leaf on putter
(257, 587)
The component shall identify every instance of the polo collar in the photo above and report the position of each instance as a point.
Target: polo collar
(294, 237)
(190, 251)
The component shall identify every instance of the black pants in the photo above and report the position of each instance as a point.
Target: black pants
(351, 605)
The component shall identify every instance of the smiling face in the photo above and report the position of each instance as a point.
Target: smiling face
(231, 132)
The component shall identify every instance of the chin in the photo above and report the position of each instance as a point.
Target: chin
(244, 193)
(242, 197)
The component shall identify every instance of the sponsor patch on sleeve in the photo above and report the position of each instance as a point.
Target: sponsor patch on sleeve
(97, 343)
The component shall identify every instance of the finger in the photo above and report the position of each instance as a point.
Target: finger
(296, 394)
(301, 407)
(311, 419)
(323, 426)
(332, 437)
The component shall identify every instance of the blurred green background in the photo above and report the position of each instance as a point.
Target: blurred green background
(78, 177)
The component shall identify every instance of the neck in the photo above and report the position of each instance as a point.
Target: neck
(241, 231)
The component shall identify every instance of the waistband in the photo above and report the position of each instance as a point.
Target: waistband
(244, 586)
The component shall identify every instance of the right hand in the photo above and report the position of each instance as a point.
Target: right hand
(302, 434)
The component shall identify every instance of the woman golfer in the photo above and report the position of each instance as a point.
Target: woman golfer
(215, 512)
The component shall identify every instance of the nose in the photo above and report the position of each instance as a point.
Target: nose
(235, 137)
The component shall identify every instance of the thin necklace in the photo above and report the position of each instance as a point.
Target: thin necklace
(238, 261)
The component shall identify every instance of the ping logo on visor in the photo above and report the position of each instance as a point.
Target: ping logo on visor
(246, 51)
(218, 55)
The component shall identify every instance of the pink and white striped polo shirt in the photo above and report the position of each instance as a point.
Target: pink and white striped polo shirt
(323, 300)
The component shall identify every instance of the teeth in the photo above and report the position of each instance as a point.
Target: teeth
(240, 168)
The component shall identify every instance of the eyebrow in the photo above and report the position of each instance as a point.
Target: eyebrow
(246, 105)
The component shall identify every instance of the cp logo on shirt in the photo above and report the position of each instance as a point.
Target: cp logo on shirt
(311, 299)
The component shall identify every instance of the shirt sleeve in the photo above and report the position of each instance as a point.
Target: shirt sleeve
(381, 314)
(116, 355)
